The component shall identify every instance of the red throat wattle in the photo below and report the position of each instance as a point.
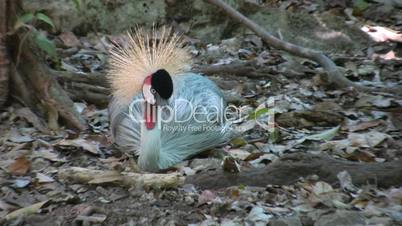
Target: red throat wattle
(150, 115)
(150, 109)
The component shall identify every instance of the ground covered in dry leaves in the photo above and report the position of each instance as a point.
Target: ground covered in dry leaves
(309, 117)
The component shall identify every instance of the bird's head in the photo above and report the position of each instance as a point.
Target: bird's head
(158, 84)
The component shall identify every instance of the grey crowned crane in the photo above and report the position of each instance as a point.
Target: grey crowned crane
(160, 111)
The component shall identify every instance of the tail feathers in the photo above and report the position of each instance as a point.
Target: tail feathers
(125, 133)
(176, 149)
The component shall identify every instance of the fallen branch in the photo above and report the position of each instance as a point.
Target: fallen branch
(25, 211)
(334, 75)
(89, 176)
(289, 168)
(243, 69)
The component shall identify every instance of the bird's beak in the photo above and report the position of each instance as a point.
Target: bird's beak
(148, 95)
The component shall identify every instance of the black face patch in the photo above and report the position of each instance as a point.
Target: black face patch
(162, 83)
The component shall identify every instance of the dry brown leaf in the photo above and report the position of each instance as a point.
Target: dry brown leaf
(321, 187)
(370, 139)
(207, 196)
(230, 165)
(346, 181)
(87, 145)
(387, 56)
(69, 39)
(28, 115)
(25, 211)
(239, 153)
(264, 159)
(20, 166)
(233, 193)
(361, 155)
(5, 206)
(253, 156)
(382, 34)
(16, 137)
(48, 154)
(42, 178)
(365, 125)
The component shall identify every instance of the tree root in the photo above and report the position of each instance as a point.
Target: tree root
(31, 80)
(289, 168)
(91, 88)
(35, 86)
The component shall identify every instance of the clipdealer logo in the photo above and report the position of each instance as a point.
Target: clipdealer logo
(182, 115)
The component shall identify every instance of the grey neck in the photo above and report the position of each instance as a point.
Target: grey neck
(150, 147)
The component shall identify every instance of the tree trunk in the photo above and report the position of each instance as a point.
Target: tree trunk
(4, 61)
(33, 83)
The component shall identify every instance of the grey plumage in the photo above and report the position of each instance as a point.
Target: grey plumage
(172, 141)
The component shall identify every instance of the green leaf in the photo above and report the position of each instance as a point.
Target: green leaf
(258, 113)
(242, 186)
(237, 142)
(325, 135)
(27, 17)
(359, 6)
(45, 44)
(46, 19)
(77, 4)
(274, 135)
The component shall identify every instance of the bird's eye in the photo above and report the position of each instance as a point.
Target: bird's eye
(153, 91)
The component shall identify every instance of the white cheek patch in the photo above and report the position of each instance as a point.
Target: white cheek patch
(148, 96)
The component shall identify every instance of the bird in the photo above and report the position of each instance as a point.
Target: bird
(161, 111)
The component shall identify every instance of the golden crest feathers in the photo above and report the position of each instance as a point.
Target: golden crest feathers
(145, 53)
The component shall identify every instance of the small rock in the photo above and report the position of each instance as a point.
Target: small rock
(286, 221)
(341, 217)
(22, 183)
(189, 200)
(381, 221)
(257, 216)
(205, 164)
(207, 196)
